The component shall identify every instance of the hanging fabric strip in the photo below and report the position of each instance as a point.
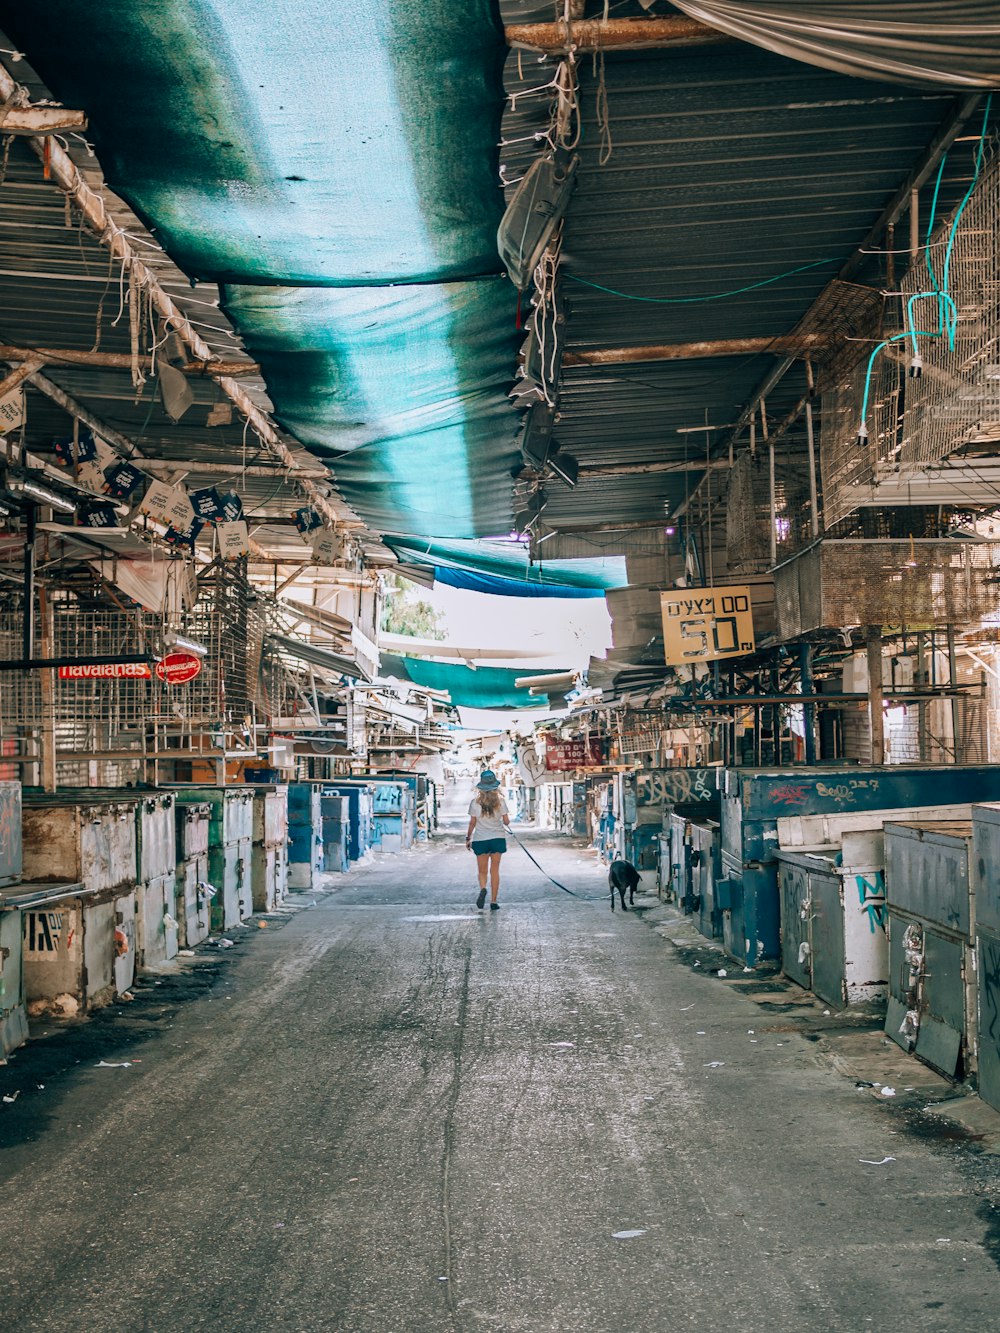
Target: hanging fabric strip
(921, 43)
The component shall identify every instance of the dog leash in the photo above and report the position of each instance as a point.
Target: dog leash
(584, 897)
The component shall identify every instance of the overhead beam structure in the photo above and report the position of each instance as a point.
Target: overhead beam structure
(41, 120)
(793, 344)
(62, 170)
(69, 356)
(902, 199)
(612, 34)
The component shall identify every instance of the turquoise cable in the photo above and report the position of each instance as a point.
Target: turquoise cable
(695, 300)
(930, 223)
(968, 195)
(896, 337)
(947, 310)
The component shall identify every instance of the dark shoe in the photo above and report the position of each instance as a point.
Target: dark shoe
(481, 899)
(494, 907)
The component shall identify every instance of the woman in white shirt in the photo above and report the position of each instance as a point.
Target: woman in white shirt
(489, 818)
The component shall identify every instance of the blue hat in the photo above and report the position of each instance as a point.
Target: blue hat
(488, 780)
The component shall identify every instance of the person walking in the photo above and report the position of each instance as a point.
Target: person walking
(488, 820)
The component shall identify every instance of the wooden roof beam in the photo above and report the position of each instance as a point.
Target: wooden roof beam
(41, 120)
(782, 345)
(69, 356)
(62, 170)
(613, 34)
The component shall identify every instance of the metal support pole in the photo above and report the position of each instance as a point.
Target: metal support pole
(773, 505)
(47, 690)
(873, 646)
(28, 619)
(914, 225)
(956, 703)
(919, 683)
(811, 446)
(809, 710)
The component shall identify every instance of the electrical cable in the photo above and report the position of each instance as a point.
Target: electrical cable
(695, 300)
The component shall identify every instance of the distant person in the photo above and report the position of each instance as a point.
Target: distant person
(489, 818)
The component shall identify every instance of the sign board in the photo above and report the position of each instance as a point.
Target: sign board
(704, 624)
(178, 668)
(234, 539)
(563, 756)
(11, 410)
(327, 547)
(107, 671)
(174, 669)
(168, 505)
(206, 504)
(94, 458)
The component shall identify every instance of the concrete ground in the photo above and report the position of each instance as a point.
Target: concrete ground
(390, 1112)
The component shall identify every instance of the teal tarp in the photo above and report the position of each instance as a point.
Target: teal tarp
(509, 560)
(408, 384)
(289, 149)
(291, 142)
(469, 687)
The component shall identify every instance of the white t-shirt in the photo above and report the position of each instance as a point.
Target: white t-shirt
(487, 826)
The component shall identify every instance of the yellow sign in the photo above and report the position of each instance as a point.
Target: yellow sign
(704, 624)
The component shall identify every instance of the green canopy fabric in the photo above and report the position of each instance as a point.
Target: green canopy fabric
(509, 560)
(300, 142)
(407, 384)
(335, 167)
(469, 687)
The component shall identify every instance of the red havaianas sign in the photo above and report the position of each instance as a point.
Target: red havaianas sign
(107, 671)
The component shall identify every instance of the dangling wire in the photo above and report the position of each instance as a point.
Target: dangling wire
(603, 118)
(568, 122)
(135, 298)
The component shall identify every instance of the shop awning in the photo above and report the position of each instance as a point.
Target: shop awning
(469, 687)
(311, 655)
(504, 568)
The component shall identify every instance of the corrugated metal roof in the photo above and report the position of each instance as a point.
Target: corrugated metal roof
(728, 167)
(725, 167)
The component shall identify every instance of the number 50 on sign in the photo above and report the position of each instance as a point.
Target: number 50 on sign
(703, 624)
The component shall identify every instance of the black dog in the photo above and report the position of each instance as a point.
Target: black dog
(623, 875)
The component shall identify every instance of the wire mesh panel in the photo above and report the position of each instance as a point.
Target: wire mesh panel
(97, 716)
(847, 315)
(748, 512)
(228, 618)
(948, 336)
(843, 583)
(641, 731)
